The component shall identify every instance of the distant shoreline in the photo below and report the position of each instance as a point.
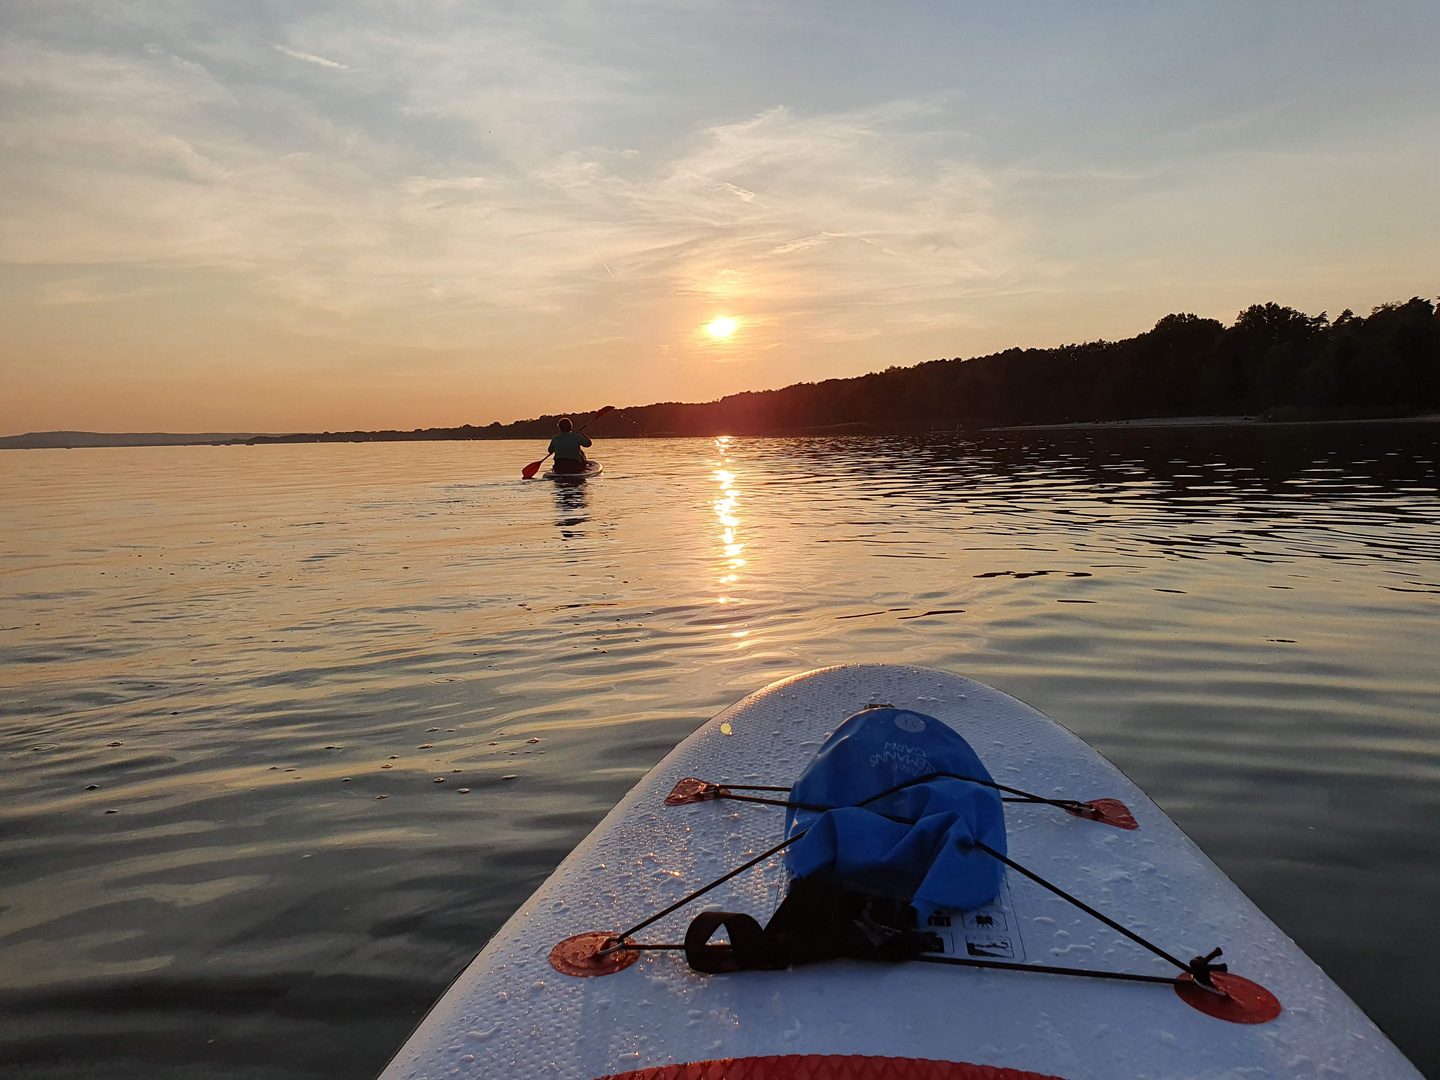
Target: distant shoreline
(73, 440)
(81, 440)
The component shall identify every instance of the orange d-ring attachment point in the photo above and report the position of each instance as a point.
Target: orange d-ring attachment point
(1107, 812)
(691, 790)
(592, 954)
(1240, 1002)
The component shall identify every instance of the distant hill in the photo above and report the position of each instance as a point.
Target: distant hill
(1273, 362)
(52, 440)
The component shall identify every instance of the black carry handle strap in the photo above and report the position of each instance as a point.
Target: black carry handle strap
(748, 948)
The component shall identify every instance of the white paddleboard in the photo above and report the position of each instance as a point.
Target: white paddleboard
(592, 468)
(512, 1014)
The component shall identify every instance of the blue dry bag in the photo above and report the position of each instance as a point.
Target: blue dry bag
(931, 863)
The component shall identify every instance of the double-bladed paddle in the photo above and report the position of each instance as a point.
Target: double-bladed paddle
(530, 470)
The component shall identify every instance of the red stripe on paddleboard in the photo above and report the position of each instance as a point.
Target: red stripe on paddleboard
(827, 1067)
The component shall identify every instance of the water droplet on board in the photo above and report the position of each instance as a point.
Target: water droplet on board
(462, 791)
(510, 776)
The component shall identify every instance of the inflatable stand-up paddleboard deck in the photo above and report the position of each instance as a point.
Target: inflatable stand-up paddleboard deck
(646, 1015)
(592, 468)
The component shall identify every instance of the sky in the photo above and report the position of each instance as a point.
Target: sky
(264, 216)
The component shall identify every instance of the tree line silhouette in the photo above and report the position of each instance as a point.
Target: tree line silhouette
(1274, 361)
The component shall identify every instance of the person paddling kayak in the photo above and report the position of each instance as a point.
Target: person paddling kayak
(566, 445)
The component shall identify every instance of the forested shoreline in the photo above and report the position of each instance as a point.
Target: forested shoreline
(1274, 362)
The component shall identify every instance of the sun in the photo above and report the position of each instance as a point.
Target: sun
(722, 328)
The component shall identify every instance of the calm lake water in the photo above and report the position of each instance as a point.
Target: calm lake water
(232, 678)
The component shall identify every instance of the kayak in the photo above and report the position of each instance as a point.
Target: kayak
(1063, 974)
(592, 468)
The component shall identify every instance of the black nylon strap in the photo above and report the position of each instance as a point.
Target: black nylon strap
(748, 948)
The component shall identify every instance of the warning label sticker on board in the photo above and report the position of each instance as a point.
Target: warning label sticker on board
(989, 932)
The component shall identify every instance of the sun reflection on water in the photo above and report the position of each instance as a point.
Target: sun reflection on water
(726, 504)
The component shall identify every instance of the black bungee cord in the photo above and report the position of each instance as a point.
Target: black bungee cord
(725, 791)
(1081, 905)
(773, 851)
(620, 938)
(1199, 969)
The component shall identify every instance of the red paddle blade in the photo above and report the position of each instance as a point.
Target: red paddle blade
(529, 471)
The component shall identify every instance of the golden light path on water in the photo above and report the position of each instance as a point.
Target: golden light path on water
(726, 504)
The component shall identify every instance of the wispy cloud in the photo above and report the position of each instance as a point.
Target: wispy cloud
(89, 289)
(311, 58)
(837, 224)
